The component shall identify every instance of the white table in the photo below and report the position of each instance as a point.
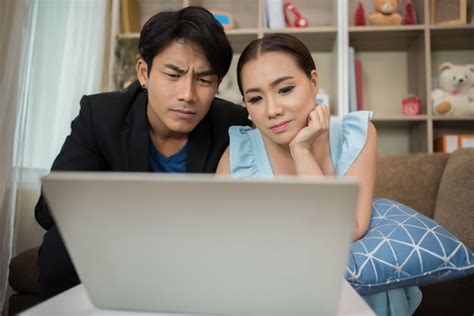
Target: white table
(76, 302)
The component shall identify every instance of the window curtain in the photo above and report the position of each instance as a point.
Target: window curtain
(15, 26)
(52, 53)
(68, 50)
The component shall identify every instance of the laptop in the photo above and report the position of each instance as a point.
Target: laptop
(206, 244)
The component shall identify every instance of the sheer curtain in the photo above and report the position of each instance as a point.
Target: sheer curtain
(15, 25)
(68, 46)
(52, 53)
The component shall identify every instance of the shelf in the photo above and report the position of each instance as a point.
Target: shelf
(454, 118)
(245, 12)
(320, 39)
(400, 118)
(372, 28)
(464, 124)
(452, 37)
(398, 121)
(249, 31)
(240, 38)
(400, 38)
(434, 27)
(401, 137)
(299, 30)
(232, 32)
(396, 60)
(319, 13)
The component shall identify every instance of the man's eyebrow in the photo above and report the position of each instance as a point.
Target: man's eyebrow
(175, 68)
(204, 73)
(208, 72)
(273, 83)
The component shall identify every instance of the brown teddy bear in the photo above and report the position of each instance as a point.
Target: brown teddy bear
(385, 13)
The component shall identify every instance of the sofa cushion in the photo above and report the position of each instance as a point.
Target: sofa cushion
(21, 302)
(23, 273)
(455, 202)
(411, 179)
(404, 248)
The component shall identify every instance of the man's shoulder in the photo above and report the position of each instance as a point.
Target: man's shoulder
(116, 99)
(112, 107)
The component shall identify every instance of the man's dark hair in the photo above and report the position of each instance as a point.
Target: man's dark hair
(280, 43)
(193, 24)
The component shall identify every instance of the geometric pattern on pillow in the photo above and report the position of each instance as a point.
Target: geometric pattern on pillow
(404, 248)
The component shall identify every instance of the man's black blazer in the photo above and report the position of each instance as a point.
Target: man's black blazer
(111, 134)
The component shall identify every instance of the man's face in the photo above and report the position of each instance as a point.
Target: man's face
(181, 87)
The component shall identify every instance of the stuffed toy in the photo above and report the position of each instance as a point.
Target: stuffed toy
(455, 97)
(385, 13)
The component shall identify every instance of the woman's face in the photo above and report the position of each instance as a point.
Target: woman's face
(278, 95)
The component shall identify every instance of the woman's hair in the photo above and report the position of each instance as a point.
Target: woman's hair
(193, 24)
(281, 43)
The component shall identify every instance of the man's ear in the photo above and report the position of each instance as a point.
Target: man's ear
(142, 72)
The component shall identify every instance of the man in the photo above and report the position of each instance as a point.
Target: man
(167, 121)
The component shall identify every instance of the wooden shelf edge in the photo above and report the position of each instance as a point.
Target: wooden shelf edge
(408, 28)
(451, 27)
(247, 31)
(322, 29)
(399, 118)
(453, 118)
(232, 32)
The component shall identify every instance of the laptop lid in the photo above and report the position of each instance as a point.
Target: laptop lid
(206, 244)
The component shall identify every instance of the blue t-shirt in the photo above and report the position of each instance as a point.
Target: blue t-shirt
(161, 163)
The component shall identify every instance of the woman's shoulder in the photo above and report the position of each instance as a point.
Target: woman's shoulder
(240, 131)
(348, 136)
(247, 153)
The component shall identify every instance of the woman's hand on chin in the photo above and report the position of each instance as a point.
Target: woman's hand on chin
(318, 124)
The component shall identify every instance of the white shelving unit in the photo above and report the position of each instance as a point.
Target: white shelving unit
(396, 60)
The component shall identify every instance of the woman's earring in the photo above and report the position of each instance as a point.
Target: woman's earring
(144, 88)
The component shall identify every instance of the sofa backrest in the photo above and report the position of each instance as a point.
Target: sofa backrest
(411, 179)
(454, 208)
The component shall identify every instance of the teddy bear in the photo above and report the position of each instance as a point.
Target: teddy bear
(385, 13)
(455, 97)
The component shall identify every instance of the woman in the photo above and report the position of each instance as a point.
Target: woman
(279, 83)
(294, 136)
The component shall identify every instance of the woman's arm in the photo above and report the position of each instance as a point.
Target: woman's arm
(363, 169)
(223, 166)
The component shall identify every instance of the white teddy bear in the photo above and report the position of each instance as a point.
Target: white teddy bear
(456, 96)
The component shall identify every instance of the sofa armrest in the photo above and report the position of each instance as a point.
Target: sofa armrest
(455, 202)
(23, 273)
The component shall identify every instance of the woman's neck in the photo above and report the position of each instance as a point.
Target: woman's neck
(282, 162)
(280, 158)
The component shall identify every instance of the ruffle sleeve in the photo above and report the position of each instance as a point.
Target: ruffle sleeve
(347, 137)
(248, 157)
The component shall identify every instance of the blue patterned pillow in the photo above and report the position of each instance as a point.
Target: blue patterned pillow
(404, 248)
